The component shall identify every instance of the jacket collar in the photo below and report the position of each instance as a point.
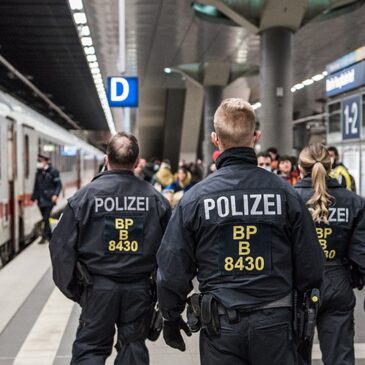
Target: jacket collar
(113, 172)
(306, 182)
(237, 156)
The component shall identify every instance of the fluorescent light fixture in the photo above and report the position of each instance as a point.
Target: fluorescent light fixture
(75, 4)
(95, 70)
(80, 18)
(293, 89)
(91, 58)
(307, 82)
(318, 77)
(85, 31)
(94, 64)
(167, 70)
(256, 105)
(89, 50)
(86, 41)
(298, 86)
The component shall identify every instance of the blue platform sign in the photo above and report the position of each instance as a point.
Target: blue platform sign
(123, 91)
(345, 80)
(351, 117)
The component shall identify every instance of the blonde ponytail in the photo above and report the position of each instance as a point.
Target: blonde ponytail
(315, 160)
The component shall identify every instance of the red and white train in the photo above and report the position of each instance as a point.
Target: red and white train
(23, 134)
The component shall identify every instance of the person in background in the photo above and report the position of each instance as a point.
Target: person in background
(174, 191)
(163, 176)
(273, 152)
(264, 161)
(197, 171)
(47, 187)
(212, 167)
(139, 170)
(340, 172)
(339, 216)
(286, 170)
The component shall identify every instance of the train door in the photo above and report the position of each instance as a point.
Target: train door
(29, 214)
(11, 163)
(78, 168)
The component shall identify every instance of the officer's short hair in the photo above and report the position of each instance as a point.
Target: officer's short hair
(234, 122)
(123, 150)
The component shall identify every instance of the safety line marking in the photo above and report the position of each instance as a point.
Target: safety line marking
(42, 342)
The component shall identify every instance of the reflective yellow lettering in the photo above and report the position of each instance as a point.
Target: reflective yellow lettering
(249, 263)
(123, 234)
(119, 223)
(228, 264)
(239, 264)
(238, 233)
(244, 248)
(323, 243)
(319, 232)
(327, 232)
(250, 231)
(111, 246)
(128, 223)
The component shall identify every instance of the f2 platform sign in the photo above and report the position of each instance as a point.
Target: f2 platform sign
(351, 117)
(123, 92)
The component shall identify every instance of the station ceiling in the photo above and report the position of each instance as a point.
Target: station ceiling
(39, 39)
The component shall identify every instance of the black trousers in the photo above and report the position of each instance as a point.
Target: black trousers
(262, 337)
(108, 305)
(335, 321)
(46, 214)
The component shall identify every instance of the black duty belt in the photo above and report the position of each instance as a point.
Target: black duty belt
(285, 302)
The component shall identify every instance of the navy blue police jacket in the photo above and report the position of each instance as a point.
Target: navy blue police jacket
(47, 183)
(344, 236)
(113, 226)
(245, 233)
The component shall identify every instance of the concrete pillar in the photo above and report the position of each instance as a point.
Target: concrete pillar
(276, 98)
(193, 109)
(212, 98)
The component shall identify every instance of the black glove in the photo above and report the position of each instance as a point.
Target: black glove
(172, 335)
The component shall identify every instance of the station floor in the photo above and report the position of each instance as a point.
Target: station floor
(38, 324)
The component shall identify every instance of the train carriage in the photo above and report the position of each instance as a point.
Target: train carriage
(24, 134)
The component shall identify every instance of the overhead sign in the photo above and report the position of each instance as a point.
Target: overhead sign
(347, 60)
(345, 80)
(123, 91)
(351, 117)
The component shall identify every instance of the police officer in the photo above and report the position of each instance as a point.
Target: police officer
(339, 215)
(47, 187)
(103, 254)
(250, 240)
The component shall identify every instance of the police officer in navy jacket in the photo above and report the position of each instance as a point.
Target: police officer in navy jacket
(249, 239)
(104, 253)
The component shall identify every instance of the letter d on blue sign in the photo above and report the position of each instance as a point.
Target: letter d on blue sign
(123, 91)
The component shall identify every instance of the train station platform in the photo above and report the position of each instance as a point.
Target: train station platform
(38, 324)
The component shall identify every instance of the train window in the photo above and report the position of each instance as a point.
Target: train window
(363, 110)
(26, 156)
(334, 117)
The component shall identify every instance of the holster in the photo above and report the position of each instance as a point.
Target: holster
(357, 280)
(305, 315)
(83, 276)
(155, 326)
(193, 312)
(209, 315)
(154, 317)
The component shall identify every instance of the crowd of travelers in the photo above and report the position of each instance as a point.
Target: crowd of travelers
(173, 184)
